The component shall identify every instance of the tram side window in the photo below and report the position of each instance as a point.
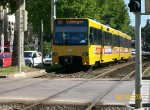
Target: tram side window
(113, 40)
(117, 41)
(121, 41)
(100, 37)
(108, 39)
(95, 36)
(126, 43)
(92, 35)
(129, 43)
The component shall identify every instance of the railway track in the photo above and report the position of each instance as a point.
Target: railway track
(88, 72)
(98, 98)
(91, 79)
(84, 73)
(100, 75)
(4, 92)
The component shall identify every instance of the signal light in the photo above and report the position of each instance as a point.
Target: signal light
(135, 5)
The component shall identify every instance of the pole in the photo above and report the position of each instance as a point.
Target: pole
(2, 34)
(138, 62)
(19, 39)
(21, 5)
(5, 24)
(53, 14)
(42, 40)
(2, 42)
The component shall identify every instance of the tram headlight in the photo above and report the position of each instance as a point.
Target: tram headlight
(55, 54)
(84, 54)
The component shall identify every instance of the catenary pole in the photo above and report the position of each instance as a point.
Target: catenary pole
(21, 5)
(19, 38)
(53, 14)
(42, 40)
(138, 61)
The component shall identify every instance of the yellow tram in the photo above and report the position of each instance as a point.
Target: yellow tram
(87, 42)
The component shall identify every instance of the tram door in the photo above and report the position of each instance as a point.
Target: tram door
(96, 41)
(102, 44)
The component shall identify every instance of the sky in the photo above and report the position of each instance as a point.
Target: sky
(143, 17)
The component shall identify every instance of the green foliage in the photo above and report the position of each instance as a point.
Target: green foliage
(131, 31)
(28, 48)
(114, 12)
(76, 9)
(46, 48)
(109, 12)
(11, 4)
(38, 10)
(8, 70)
(3, 2)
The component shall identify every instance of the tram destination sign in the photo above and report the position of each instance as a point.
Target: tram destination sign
(81, 22)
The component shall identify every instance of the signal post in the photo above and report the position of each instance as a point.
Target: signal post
(135, 6)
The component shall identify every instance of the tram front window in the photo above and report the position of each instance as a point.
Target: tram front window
(71, 35)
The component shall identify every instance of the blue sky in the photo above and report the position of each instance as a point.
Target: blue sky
(143, 17)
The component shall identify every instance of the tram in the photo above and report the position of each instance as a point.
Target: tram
(83, 41)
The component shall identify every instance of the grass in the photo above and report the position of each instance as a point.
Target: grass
(14, 69)
(8, 70)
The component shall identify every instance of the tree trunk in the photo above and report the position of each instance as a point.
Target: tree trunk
(18, 38)
(15, 50)
(5, 25)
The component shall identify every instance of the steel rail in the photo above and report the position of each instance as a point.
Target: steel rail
(23, 86)
(43, 100)
(108, 72)
(36, 82)
(100, 97)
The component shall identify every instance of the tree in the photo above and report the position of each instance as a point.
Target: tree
(131, 32)
(46, 48)
(114, 13)
(11, 5)
(38, 10)
(109, 12)
(14, 5)
(77, 9)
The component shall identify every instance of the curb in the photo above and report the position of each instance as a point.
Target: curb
(27, 74)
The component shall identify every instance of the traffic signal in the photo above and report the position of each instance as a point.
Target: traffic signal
(135, 5)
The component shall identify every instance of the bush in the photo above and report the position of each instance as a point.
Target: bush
(46, 48)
